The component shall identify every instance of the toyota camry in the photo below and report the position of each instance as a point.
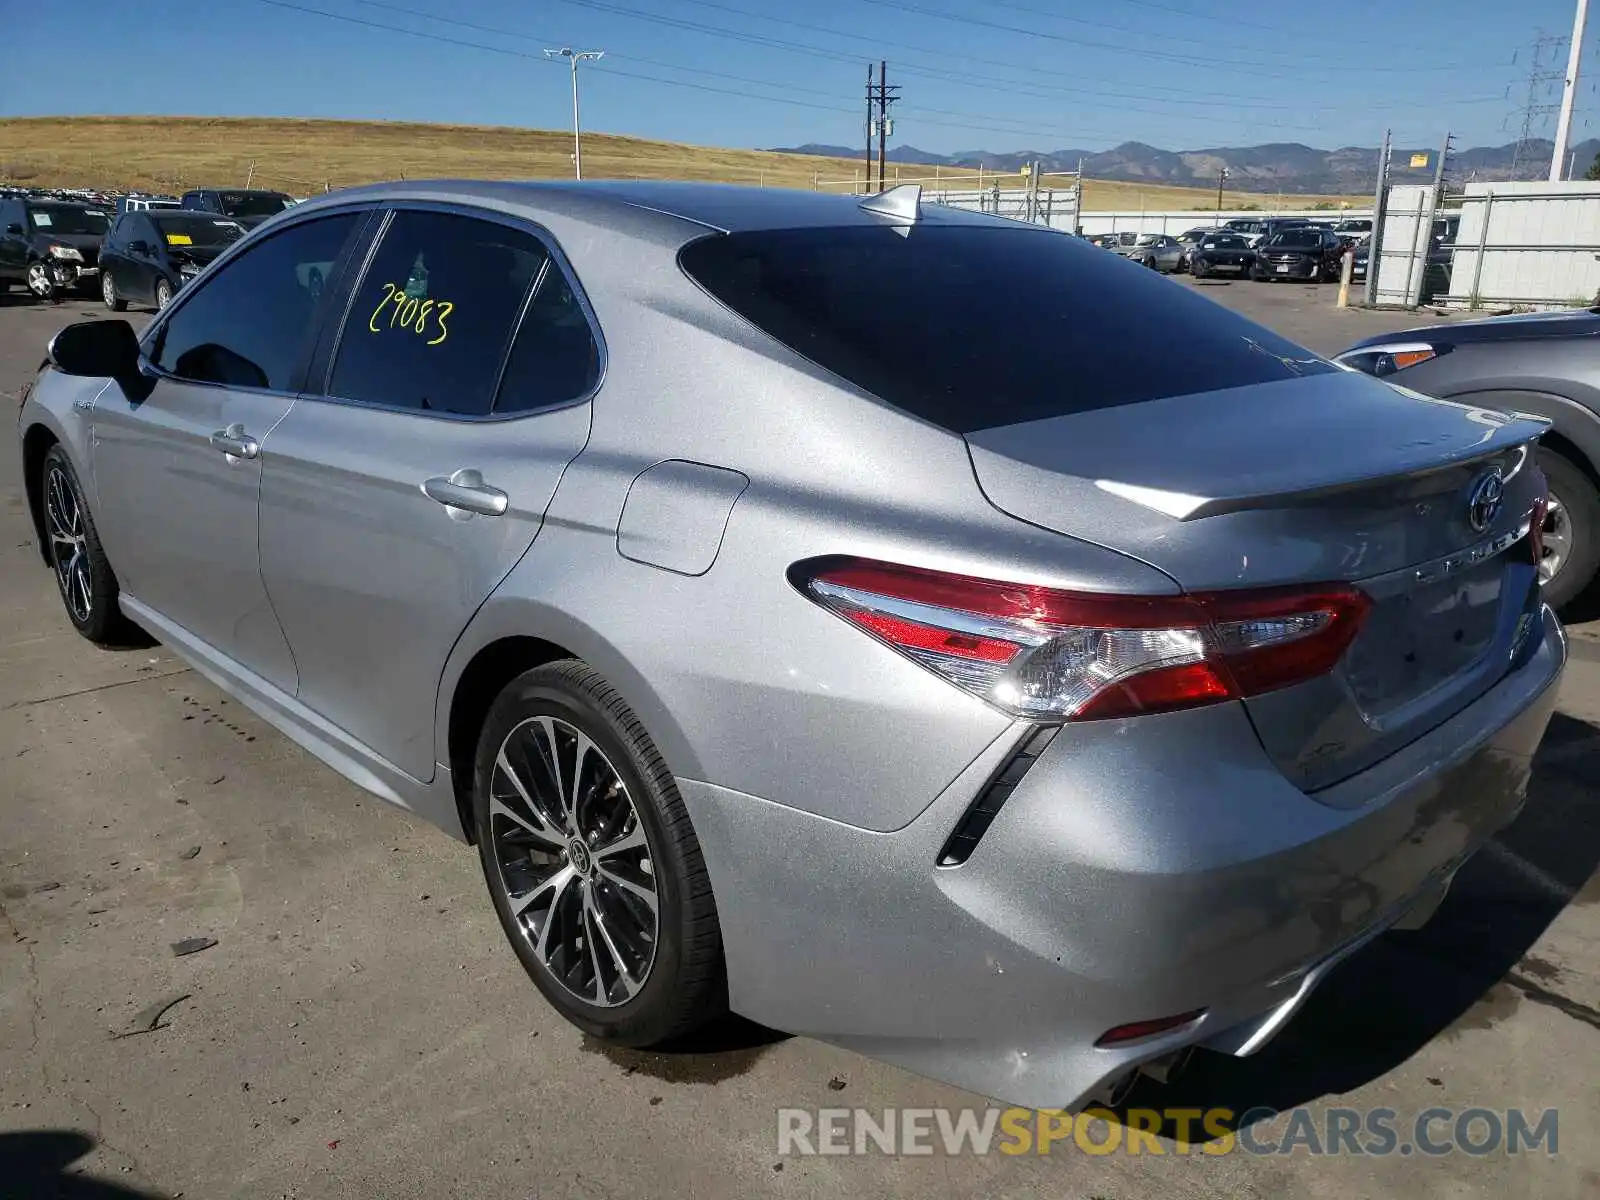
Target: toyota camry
(825, 608)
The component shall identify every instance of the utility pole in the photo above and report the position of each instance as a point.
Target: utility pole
(575, 57)
(1569, 91)
(1439, 167)
(1222, 174)
(885, 124)
(869, 127)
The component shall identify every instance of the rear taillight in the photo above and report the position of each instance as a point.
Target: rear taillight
(1056, 655)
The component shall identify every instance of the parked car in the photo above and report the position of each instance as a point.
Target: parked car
(1221, 253)
(248, 206)
(1158, 251)
(126, 204)
(1542, 363)
(51, 246)
(788, 638)
(1298, 253)
(1187, 240)
(148, 256)
(1354, 229)
(1359, 256)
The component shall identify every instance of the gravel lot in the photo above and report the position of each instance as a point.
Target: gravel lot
(360, 1030)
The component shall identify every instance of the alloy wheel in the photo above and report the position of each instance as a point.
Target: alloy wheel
(69, 550)
(1557, 539)
(163, 294)
(39, 280)
(573, 862)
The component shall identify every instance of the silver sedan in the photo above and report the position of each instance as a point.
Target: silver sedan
(829, 610)
(1158, 251)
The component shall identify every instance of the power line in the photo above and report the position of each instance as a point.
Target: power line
(968, 122)
(1112, 48)
(1038, 90)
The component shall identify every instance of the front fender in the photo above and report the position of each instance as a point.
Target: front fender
(56, 408)
(1577, 423)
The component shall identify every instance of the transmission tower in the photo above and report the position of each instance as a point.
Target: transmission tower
(1544, 71)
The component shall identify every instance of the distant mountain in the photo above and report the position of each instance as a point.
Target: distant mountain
(1275, 167)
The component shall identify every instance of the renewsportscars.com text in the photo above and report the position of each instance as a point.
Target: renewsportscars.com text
(1214, 1131)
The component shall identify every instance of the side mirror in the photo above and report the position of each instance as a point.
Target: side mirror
(96, 349)
(14, 229)
(139, 246)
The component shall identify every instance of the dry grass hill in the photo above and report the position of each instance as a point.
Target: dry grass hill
(307, 156)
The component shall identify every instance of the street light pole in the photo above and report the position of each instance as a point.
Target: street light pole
(575, 57)
(1569, 93)
(1222, 174)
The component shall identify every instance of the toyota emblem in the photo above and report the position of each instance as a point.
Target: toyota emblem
(1483, 505)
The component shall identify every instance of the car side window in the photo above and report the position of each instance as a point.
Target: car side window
(431, 321)
(555, 358)
(247, 324)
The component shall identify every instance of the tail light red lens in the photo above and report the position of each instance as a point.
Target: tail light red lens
(1536, 520)
(1043, 653)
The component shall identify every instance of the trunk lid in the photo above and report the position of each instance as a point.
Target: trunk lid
(1328, 478)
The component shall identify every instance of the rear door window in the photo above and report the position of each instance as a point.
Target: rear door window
(972, 327)
(432, 319)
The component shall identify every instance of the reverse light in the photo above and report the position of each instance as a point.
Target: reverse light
(69, 253)
(1047, 654)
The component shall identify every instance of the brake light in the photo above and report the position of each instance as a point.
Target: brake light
(1056, 655)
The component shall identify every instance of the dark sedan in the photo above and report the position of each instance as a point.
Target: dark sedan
(148, 256)
(1307, 253)
(1547, 364)
(1221, 253)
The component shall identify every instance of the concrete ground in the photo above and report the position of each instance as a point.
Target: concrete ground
(359, 1029)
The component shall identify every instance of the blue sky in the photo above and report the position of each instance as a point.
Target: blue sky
(989, 74)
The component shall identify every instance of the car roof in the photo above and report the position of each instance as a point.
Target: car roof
(727, 208)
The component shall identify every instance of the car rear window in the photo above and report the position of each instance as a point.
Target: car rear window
(976, 327)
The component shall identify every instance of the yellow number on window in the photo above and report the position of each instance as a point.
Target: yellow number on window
(372, 322)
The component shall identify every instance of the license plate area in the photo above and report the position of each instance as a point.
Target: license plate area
(1420, 637)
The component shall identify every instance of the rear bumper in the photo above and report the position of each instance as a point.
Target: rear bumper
(1140, 869)
(1296, 270)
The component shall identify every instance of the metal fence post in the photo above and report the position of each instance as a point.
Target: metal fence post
(1483, 243)
(1375, 240)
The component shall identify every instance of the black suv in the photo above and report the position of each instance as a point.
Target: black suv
(148, 256)
(248, 206)
(53, 246)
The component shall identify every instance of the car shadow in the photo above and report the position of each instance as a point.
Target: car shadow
(34, 1166)
(1468, 968)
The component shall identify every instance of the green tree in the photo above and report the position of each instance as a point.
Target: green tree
(1593, 173)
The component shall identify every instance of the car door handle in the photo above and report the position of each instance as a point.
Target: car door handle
(466, 492)
(235, 442)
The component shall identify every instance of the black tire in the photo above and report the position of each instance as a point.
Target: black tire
(84, 577)
(114, 300)
(1580, 506)
(686, 984)
(163, 294)
(1196, 270)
